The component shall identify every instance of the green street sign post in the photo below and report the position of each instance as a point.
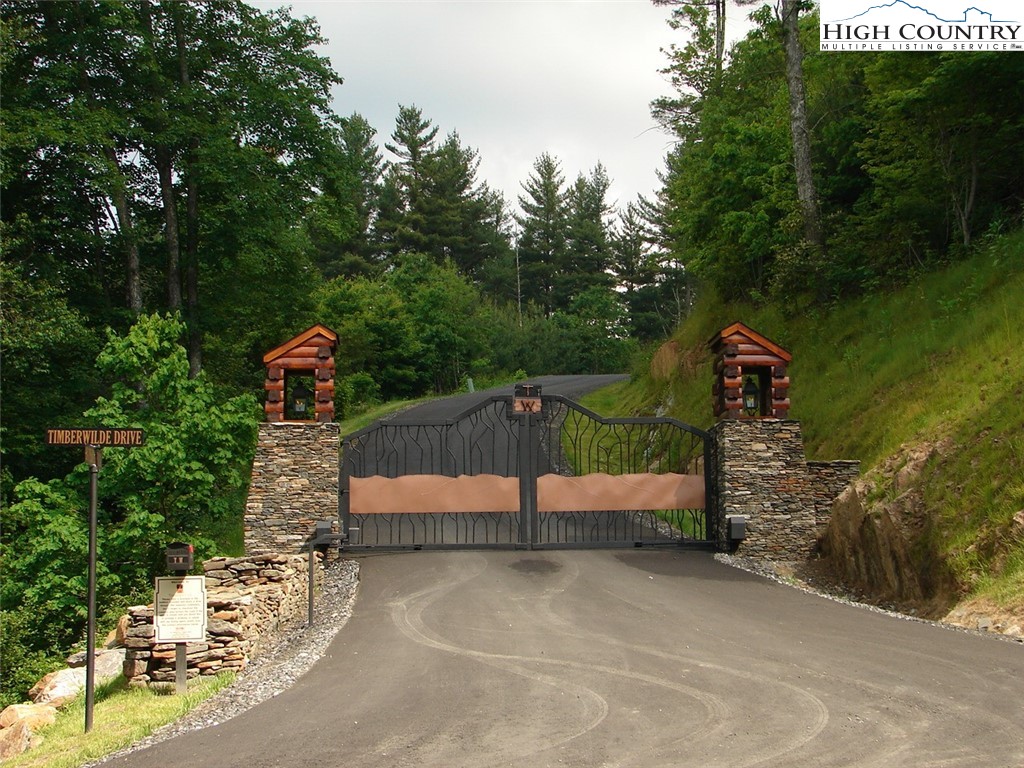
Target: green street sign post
(93, 441)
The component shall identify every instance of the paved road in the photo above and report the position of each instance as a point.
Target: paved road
(636, 658)
(568, 386)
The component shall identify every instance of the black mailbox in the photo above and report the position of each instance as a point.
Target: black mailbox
(179, 556)
(324, 528)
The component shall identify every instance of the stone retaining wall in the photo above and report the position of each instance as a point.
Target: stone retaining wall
(762, 473)
(247, 600)
(294, 484)
(828, 480)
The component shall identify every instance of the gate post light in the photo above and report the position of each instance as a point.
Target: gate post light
(750, 397)
(300, 394)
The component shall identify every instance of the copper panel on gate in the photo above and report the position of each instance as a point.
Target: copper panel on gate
(599, 492)
(433, 493)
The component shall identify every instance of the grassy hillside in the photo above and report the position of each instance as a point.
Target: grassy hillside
(939, 361)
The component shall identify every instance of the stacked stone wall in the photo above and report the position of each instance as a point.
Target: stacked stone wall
(762, 473)
(248, 600)
(828, 480)
(294, 484)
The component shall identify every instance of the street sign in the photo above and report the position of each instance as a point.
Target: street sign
(116, 438)
(180, 609)
(93, 440)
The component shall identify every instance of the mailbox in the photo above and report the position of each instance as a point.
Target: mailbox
(179, 557)
(323, 529)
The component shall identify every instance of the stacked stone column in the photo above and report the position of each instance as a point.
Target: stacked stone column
(762, 473)
(294, 484)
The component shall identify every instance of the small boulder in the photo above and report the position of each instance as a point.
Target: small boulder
(35, 716)
(14, 740)
(58, 688)
(108, 663)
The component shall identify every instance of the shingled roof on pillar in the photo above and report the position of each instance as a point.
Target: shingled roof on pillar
(742, 353)
(310, 354)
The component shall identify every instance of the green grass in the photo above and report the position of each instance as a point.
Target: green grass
(121, 716)
(940, 359)
(611, 401)
(365, 418)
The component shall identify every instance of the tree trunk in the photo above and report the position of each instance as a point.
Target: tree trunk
(163, 159)
(719, 41)
(805, 188)
(195, 349)
(133, 281)
(166, 174)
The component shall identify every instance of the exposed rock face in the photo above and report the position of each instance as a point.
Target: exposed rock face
(872, 541)
(868, 549)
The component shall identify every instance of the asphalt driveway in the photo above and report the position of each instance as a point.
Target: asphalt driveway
(622, 658)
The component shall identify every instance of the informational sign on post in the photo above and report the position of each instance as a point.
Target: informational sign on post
(180, 609)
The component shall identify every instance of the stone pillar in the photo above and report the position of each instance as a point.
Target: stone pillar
(762, 473)
(294, 484)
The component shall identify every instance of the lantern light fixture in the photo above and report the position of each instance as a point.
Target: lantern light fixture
(751, 397)
(300, 396)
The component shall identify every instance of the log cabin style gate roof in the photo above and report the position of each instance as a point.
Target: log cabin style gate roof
(310, 354)
(744, 357)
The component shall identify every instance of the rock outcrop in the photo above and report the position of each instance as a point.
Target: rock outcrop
(873, 543)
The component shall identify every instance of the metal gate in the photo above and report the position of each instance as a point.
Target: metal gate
(527, 471)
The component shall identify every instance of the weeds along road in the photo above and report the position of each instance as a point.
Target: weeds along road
(634, 657)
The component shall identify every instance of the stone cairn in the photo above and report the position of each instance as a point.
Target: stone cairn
(248, 599)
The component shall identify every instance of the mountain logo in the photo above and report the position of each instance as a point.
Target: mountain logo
(922, 25)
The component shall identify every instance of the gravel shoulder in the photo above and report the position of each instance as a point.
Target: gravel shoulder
(281, 662)
(793, 575)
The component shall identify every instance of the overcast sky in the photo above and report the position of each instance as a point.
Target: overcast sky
(515, 78)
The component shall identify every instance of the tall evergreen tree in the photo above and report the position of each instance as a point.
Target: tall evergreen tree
(454, 210)
(339, 223)
(413, 142)
(541, 246)
(587, 253)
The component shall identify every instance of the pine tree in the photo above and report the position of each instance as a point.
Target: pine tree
(541, 247)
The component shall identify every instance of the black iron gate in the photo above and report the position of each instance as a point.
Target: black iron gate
(527, 471)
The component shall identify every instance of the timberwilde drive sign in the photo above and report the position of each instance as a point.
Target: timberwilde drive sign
(124, 438)
(94, 441)
(921, 25)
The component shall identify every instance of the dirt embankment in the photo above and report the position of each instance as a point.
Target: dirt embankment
(878, 548)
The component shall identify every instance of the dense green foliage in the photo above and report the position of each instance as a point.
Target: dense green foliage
(912, 163)
(933, 363)
(183, 483)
